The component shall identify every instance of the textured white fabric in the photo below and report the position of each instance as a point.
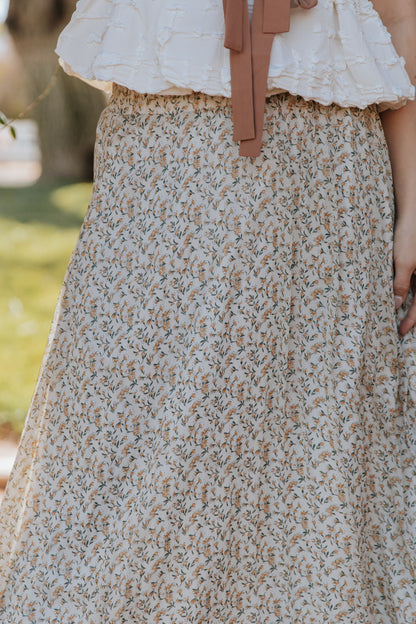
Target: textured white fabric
(338, 52)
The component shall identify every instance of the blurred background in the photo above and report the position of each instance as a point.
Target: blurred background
(45, 185)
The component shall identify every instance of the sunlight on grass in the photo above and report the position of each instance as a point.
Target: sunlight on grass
(39, 227)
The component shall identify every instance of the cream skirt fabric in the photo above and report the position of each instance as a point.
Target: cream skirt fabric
(224, 426)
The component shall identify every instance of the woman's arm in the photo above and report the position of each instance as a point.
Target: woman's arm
(399, 17)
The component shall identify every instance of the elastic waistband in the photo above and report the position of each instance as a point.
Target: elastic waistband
(196, 99)
(129, 100)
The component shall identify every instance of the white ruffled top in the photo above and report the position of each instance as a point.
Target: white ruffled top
(338, 52)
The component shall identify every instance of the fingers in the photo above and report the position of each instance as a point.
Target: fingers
(403, 279)
(409, 320)
(401, 282)
(404, 258)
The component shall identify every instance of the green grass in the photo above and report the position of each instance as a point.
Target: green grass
(39, 226)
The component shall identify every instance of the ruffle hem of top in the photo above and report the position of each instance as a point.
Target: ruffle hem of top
(338, 52)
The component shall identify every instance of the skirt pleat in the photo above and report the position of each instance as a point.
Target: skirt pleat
(223, 426)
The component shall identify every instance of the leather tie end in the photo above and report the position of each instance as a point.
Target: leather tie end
(249, 151)
(276, 16)
(233, 18)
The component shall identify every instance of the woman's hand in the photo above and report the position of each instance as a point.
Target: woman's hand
(399, 17)
(404, 255)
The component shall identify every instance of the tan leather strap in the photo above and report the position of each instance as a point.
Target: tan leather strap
(250, 50)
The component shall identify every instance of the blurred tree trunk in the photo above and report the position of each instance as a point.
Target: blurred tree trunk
(67, 118)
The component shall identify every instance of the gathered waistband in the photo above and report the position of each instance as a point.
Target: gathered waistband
(129, 101)
(196, 99)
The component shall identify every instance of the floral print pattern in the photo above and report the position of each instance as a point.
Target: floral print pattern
(223, 427)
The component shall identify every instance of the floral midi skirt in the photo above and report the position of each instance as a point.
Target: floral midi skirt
(223, 430)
